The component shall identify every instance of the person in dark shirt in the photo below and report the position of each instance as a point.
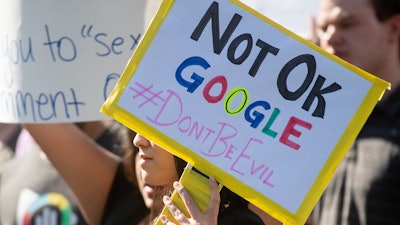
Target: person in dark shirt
(155, 170)
(365, 187)
(107, 196)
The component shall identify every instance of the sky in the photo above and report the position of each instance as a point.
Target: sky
(294, 15)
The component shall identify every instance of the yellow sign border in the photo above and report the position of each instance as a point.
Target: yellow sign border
(112, 109)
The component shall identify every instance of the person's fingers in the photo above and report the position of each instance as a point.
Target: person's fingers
(213, 205)
(211, 214)
(209, 217)
(178, 215)
(187, 199)
(165, 220)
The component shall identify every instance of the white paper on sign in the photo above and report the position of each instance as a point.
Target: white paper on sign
(60, 59)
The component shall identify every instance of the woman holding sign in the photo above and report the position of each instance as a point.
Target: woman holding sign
(150, 160)
(365, 188)
(106, 196)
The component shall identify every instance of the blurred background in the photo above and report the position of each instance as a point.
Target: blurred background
(294, 15)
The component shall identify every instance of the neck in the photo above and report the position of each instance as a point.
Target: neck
(389, 67)
(390, 72)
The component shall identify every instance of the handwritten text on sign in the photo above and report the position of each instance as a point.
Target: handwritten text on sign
(225, 90)
(57, 67)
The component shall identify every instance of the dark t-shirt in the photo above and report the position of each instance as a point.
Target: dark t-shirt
(125, 204)
(366, 187)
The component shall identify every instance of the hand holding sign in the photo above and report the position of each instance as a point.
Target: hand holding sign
(192, 187)
(274, 100)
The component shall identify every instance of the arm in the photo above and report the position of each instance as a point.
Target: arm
(87, 168)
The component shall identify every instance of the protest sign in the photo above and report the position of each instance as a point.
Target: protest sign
(60, 59)
(236, 95)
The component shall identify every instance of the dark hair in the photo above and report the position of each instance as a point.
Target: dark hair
(180, 165)
(384, 9)
(233, 208)
(129, 160)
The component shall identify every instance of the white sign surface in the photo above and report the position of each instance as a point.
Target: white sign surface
(236, 95)
(60, 59)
